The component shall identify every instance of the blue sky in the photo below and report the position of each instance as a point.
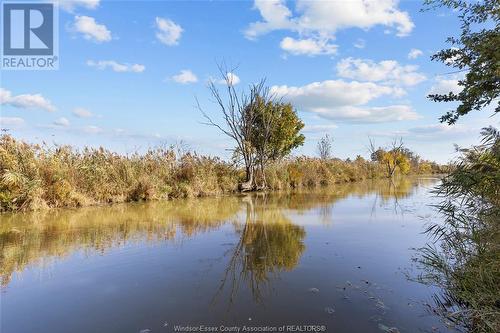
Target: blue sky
(129, 73)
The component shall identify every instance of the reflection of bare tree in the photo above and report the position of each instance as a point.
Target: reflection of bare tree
(392, 191)
(326, 213)
(268, 244)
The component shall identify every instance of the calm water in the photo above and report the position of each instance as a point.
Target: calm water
(334, 257)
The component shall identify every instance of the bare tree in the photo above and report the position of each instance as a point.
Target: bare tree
(325, 147)
(239, 114)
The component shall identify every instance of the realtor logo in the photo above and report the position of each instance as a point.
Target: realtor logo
(29, 32)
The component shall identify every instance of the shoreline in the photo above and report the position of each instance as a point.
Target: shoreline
(238, 194)
(38, 177)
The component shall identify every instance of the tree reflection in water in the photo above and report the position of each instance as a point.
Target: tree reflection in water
(268, 244)
(392, 191)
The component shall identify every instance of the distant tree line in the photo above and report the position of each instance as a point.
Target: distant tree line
(397, 157)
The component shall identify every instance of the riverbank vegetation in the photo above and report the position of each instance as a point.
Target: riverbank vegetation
(464, 258)
(36, 176)
(466, 262)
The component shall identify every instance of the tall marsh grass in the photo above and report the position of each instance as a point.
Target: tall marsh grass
(465, 257)
(34, 177)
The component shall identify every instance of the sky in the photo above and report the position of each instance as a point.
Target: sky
(130, 73)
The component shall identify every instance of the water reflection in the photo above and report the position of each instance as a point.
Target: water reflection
(33, 238)
(305, 257)
(269, 242)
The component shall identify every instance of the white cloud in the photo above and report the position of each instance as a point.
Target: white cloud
(375, 114)
(325, 18)
(319, 128)
(445, 86)
(92, 129)
(71, 5)
(25, 101)
(64, 122)
(91, 30)
(389, 71)
(430, 132)
(5, 95)
(120, 132)
(275, 15)
(364, 14)
(185, 77)
(438, 129)
(334, 93)
(346, 101)
(168, 31)
(116, 66)
(82, 113)
(452, 60)
(415, 53)
(231, 78)
(307, 46)
(11, 121)
(360, 43)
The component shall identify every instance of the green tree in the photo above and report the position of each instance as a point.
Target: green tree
(394, 158)
(377, 155)
(476, 52)
(238, 110)
(262, 128)
(276, 131)
(285, 135)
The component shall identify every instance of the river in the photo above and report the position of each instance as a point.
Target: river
(332, 260)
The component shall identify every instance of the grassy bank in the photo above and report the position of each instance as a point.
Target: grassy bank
(466, 260)
(35, 177)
